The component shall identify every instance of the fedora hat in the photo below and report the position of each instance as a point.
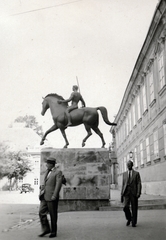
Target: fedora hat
(51, 160)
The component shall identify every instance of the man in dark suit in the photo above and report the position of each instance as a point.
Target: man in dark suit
(131, 191)
(49, 197)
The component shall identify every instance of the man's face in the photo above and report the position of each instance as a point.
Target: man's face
(129, 165)
(49, 166)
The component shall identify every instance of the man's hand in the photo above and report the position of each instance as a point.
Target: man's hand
(138, 195)
(122, 199)
(53, 198)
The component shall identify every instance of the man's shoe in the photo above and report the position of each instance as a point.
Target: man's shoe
(133, 225)
(52, 235)
(128, 223)
(44, 233)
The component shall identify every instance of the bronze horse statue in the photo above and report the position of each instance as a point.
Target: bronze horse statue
(87, 116)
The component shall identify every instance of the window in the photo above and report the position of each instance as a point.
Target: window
(117, 139)
(127, 126)
(138, 107)
(147, 150)
(133, 115)
(36, 181)
(161, 69)
(129, 120)
(125, 164)
(36, 162)
(120, 140)
(121, 166)
(144, 98)
(135, 157)
(151, 86)
(156, 144)
(141, 153)
(125, 129)
(122, 134)
(164, 128)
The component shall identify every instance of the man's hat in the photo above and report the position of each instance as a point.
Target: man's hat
(51, 160)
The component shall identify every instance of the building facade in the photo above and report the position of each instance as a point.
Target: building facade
(141, 119)
(33, 177)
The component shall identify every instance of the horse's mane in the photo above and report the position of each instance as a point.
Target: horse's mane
(55, 95)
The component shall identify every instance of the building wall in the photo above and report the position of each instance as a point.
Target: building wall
(33, 177)
(141, 120)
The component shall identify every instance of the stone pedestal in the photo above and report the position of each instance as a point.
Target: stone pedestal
(88, 176)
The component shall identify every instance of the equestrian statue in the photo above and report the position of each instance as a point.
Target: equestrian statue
(69, 116)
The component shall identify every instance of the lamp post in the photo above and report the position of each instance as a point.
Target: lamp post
(131, 155)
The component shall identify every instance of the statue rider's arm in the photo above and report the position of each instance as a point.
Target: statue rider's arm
(67, 100)
(83, 102)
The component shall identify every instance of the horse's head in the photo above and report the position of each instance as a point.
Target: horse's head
(45, 106)
(51, 101)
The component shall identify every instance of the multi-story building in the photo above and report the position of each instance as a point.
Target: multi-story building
(141, 119)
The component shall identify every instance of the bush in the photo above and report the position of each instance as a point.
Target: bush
(6, 187)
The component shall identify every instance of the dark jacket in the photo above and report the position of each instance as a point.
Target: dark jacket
(52, 185)
(135, 183)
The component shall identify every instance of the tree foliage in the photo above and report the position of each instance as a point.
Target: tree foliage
(18, 165)
(3, 160)
(13, 165)
(30, 122)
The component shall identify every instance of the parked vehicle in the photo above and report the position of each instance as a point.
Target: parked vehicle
(26, 187)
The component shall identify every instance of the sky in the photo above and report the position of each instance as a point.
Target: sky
(46, 45)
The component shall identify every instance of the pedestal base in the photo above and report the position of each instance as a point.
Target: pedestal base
(88, 177)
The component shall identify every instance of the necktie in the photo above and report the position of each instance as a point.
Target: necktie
(129, 177)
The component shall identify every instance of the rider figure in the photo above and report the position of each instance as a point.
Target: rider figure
(75, 97)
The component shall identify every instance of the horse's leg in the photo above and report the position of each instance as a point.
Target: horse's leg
(53, 128)
(97, 131)
(88, 129)
(64, 135)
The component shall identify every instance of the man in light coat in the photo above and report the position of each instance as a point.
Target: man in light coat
(49, 197)
(131, 191)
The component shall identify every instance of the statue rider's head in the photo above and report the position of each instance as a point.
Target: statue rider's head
(75, 88)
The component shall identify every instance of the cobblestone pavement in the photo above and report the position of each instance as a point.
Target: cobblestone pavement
(20, 221)
(89, 225)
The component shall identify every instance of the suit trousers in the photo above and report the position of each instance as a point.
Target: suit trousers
(131, 215)
(50, 207)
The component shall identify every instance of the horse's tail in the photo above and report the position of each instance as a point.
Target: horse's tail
(104, 114)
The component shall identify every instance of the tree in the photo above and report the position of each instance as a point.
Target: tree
(14, 165)
(3, 159)
(30, 122)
